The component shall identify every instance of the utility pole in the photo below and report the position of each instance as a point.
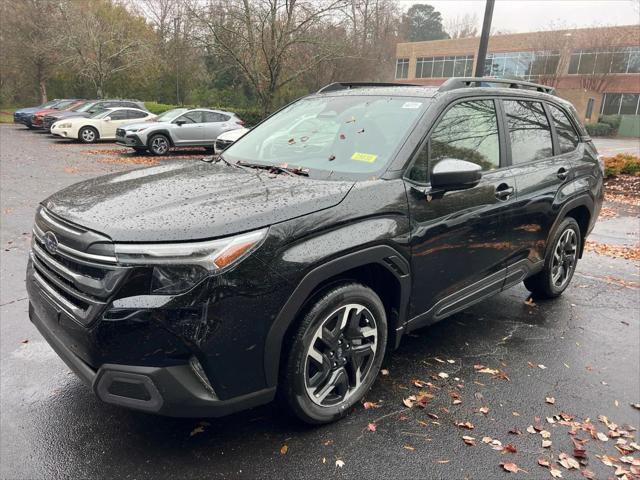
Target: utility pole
(176, 30)
(484, 37)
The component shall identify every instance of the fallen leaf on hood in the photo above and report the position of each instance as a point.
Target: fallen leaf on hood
(339, 463)
(439, 360)
(384, 372)
(484, 410)
(550, 400)
(512, 467)
(490, 371)
(543, 462)
(196, 431)
(284, 449)
(469, 440)
(529, 302)
(509, 448)
(371, 427)
(451, 361)
(467, 425)
(419, 383)
(443, 375)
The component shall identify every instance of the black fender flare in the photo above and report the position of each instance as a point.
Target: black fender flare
(383, 255)
(161, 132)
(582, 200)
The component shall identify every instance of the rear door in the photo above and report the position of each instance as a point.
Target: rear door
(543, 171)
(214, 124)
(191, 132)
(458, 238)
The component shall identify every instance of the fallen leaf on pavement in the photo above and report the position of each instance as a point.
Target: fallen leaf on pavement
(529, 302)
(484, 410)
(467, 425)
(543, 462)
(541, 367)
(469, 440)
(370, 405)
(419, 383)
(567, 462)
(530, 429)
(546, 443)
(443, 375)
(512, 467)
(384, 372)
(409, 447)
(555, 473)
(409, 401)
(339, 463)
(284, 449)
(588, 474)
(515, 431)
(508, 448)
(442, 461)
(602, 437)
(371, 427)
(550, 400)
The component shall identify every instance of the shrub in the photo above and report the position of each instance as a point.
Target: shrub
(251, 116)
(158, 108)
(622, 163)
(599, 129)
(612, 120)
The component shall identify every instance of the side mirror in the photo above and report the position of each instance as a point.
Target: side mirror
(454, 174)
(180, 122)
(107, 119)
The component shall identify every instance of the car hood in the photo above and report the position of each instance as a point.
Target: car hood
(181, 201)
(150, 122)
(28, 110)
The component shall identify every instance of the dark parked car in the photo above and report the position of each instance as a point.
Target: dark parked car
(291, 263)
(23, 115)
(37, 117)
(89, 108)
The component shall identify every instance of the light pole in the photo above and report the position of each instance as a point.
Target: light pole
(484, 37)
(176, 32)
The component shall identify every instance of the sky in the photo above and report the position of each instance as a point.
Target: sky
(533, 15)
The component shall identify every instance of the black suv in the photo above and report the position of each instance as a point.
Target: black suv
(289, 265)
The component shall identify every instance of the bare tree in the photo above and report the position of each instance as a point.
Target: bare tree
(463, 26)
(273, 42)
(101, 39)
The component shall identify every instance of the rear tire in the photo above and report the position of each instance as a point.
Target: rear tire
(560, 262)
(335, 353)
(88, 135)
(159, 144)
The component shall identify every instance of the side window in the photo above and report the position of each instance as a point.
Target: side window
(211, 117)
(119, 115)
(568, 139)
(468, 131)
(529, 131)
(191, 117)
(136, 114)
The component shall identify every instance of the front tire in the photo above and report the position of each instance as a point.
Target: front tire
(335, 353)
(560, 262)
(88, 135)
(159, 145)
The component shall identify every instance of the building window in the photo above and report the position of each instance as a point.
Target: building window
(438, 67)
(606, 60)
(621, 104)
(523, 65)
(589, 112)
(402, 68)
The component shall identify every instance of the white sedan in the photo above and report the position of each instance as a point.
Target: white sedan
(101, 125)
(226, 139)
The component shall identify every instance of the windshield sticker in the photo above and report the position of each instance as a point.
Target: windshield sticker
(364, 157)
(412, 105)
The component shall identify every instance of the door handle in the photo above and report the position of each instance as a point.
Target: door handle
(562, 173)
(504, 191)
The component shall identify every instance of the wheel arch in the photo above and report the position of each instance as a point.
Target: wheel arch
(373, 267)
(92, 127)
(161, 132)
(581, 209)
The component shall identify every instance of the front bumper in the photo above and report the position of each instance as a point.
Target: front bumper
(130, 140)
(173, 391)
(62, 132)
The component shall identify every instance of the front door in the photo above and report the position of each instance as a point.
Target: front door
(191, 132)
(118, 118)
(458, 238)
(543, 173)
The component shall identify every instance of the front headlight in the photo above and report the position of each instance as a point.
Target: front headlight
(64, 125)
(136, 130)
(179, 266)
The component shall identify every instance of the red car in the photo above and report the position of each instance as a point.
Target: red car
(65, 105)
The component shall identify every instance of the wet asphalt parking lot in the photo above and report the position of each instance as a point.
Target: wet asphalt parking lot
(552, 365)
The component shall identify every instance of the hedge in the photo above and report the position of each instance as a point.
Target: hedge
(599, 129)
(251, 116)
(623, 163)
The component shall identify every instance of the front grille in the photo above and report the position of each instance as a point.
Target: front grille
(223, 144)
(78, 282)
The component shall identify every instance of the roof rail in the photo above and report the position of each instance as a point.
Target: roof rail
(465, 82)
(332, 87)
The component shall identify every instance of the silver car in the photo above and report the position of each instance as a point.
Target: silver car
(181, 127)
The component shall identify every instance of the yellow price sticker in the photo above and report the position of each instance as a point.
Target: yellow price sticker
(364, 157)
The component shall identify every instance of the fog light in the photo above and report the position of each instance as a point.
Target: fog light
(195, 365)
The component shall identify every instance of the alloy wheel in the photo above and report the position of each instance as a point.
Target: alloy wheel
(340, 355)
(159, 145)
(88, 135)
(564, 258)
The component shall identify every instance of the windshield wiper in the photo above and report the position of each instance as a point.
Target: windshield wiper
(293, 171)
(220, 158)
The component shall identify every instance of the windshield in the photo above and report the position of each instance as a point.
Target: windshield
(338, 135)
(100, 113)
(49, 104)
(169, 115)
(63, 104)
(85, 107)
